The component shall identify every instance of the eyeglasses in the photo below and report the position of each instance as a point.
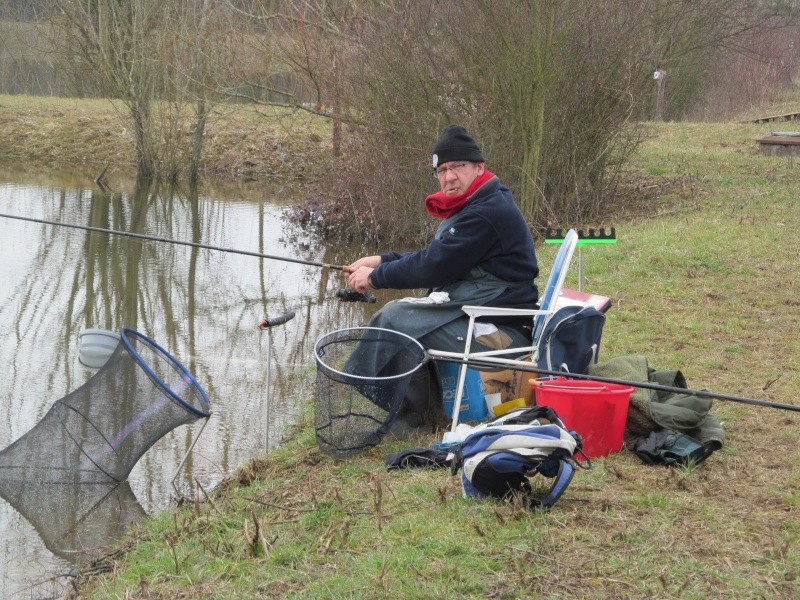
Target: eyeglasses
(455, 167)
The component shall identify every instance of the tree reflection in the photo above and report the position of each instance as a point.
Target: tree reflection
(202, 306)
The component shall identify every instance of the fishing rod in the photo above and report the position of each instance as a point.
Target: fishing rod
(521, 365)
(154, 238)
(346, 295)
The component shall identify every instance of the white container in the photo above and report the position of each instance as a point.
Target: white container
(96, 346)
(492, 400)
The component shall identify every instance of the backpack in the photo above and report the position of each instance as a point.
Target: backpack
(497, 460)
(570, 341)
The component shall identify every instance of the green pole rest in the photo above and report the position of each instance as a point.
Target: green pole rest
(585, 238)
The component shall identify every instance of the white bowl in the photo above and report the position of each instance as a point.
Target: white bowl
(96, 346)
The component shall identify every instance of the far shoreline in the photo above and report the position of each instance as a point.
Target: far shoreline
(244, 143)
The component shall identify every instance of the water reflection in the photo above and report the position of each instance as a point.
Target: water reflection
(99, 515)
(202, 306)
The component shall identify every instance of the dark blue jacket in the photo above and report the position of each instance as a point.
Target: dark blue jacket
(489, 232)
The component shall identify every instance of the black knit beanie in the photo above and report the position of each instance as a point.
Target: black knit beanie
(455, 143)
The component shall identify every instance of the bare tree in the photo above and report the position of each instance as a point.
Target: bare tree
(193, 41)
(116, 43)
(701, 45)
(290, 56)
(157, 58)
(552, 90)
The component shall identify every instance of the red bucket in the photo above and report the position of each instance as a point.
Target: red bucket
(595, 409)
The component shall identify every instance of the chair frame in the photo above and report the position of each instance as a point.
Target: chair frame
(547, 308)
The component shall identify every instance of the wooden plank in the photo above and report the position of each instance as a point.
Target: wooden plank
(779, 140)
(785, 117)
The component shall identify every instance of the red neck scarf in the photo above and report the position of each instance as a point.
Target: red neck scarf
(440, 206)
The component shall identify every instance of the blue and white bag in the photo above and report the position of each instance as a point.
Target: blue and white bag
(497, 460)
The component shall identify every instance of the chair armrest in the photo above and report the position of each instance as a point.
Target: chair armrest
(498, 311)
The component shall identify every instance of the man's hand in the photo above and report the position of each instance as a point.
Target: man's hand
(359, 272)
(365, 261)
(358, 280)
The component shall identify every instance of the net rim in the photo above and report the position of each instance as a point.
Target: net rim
(166, 389)
(425, 356)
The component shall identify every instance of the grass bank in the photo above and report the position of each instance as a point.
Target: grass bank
(703, 279)
(240, 142)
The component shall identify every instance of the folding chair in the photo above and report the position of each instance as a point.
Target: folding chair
(547, 307)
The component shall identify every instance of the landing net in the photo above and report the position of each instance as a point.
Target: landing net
(362, 378)
(69, 470)
(97, 433)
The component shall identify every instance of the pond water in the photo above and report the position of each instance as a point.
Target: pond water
(202, 306)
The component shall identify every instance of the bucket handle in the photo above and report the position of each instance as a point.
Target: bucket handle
(535, 383)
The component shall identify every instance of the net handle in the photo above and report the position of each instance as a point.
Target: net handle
(425, 356)
(187, 376)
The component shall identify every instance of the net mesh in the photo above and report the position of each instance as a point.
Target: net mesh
(97, 433)
(76, 522)
(362, 378)
(69, 464)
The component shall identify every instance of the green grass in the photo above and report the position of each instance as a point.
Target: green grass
(703, 279)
